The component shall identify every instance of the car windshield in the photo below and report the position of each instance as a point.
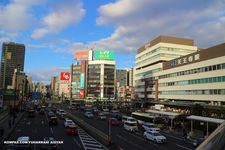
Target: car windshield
(156, 134)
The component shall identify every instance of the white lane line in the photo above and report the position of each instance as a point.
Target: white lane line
(90, 142)
(183, 147)
(51, 130)
(77, 142)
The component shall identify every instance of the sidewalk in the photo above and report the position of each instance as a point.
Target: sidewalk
(5, 124)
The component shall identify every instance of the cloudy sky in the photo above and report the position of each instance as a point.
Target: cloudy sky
(53, 29)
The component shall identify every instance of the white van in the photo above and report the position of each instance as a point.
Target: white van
(130, 126)
(127, 118)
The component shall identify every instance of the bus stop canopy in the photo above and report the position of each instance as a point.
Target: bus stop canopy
(205, 119)
(170, 114)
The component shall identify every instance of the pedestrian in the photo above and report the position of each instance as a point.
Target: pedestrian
(2, 131)
(9, 122)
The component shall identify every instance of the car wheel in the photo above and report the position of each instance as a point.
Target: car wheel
(155, 141)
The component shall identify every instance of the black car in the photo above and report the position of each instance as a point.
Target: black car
(53, 121)
(49, 146)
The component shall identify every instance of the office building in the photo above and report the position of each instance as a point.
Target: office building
(150, 59)
(197, 77)
(101, 75)
(13, 55)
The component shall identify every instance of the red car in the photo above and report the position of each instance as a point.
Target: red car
(72, 130)
(114, 122)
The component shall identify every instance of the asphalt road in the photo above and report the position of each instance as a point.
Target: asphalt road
(134, 141)
(37, 128)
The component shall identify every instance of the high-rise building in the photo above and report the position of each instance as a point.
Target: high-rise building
(150, 58)
(13, 55)
(101, 75)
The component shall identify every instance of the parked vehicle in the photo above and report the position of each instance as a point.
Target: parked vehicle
(114, 121)
(72, 130)
(68, 122)
(154, 136)
(53, 121)
(150, 127)
(88, 114)
(130, 126)
(101, 116)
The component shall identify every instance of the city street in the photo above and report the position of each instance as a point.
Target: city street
(134, 141)
(37, 128)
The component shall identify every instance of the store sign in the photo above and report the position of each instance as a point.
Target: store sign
(104, 55)
(185, 60)
(82, 93)
(81, 54)
(82, 80)
(64, 76)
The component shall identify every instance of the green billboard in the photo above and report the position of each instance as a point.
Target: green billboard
(103, 55)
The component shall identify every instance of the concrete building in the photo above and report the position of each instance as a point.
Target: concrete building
(101, 75)
(13, 55)
(150, 59)
(197, 77)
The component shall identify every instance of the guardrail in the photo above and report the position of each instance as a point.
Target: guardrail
(99, 135)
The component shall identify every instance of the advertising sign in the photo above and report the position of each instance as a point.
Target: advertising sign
(65, 76)
(82, 80)
(104, 55)
(81, 54)
(81, 93)
(83, 66)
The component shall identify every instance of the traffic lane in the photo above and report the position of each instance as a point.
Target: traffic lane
(172, 142)
(119, 136)
(32, 127)
(37, 128)
(69, 142)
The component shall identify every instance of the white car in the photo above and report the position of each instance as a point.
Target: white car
(68, 122)
(150, 127)
(154, 136)
(130, 126)
(88, 114)
(101, 116)
(60, 111)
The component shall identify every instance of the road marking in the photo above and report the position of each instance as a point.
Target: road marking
(77, 142)
(183, 147)
(51, 130)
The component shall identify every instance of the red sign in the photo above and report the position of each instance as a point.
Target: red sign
(81, 54)
(81, 93)
(64, 76)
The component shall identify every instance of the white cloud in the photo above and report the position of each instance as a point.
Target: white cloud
(139, 21)
(62, 16)
(4, 39)
(16, 16)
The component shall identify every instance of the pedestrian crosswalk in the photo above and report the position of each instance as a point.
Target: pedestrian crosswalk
(88, 142)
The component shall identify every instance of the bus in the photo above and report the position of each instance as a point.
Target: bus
(146, 117)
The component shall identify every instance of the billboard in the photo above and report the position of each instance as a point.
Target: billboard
(65, 76)
(81, 54)
(82, 80)
(103, 55)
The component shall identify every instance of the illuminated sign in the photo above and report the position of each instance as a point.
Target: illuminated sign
(185, 60)
(64, 76)
(81, 93)
(81, 54)
(103, 55)
(82, 80)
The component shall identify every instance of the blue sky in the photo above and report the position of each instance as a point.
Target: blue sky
(53, 29)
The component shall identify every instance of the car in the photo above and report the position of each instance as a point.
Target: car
(150, 126)
(130, 126)
(68, 122)
(49, 146)
(21, 139)
(114, 121)
(53, 121)
(101, 116)
(88, 114)
(115, 114)
(54, 109)
(51, 114)
(63, 115)
(42, 111)
(72, 130)
(154, 136)
(31, 113)
(105, 111)
(60, 111)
